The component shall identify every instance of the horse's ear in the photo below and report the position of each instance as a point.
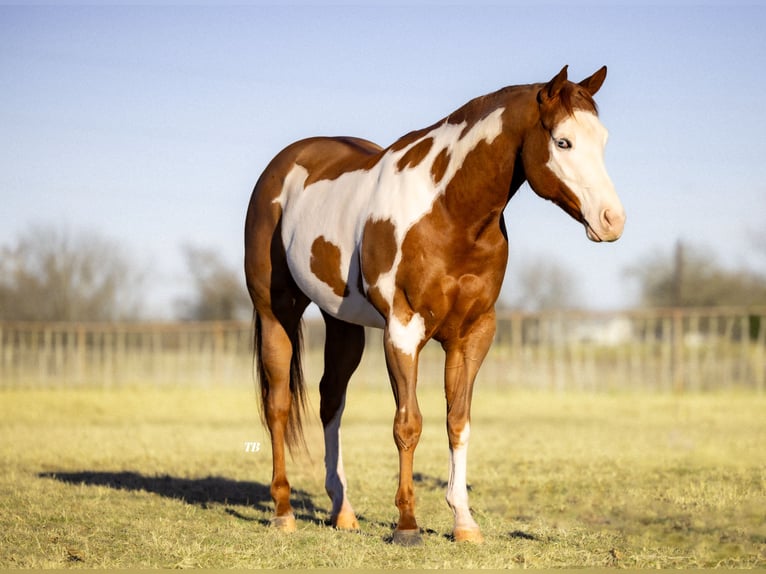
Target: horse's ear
(594, 82)
(552, 88)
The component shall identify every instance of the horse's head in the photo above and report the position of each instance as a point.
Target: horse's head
(563, 156)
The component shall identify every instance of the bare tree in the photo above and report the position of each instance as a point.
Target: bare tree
(52, 274)
(543, 284)
(690, 276)
(219, 289)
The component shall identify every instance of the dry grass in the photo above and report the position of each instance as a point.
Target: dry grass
(160, 478)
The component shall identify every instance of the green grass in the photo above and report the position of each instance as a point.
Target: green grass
(160, 478)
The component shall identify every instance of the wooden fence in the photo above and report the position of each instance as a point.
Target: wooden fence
(670, 350)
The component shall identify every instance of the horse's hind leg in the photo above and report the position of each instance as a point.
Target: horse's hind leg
(344, 345)
(276, 354)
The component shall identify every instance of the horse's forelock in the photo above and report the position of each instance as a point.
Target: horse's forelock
(573, 97)
(564, 103)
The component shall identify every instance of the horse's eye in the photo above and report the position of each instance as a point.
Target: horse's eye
(564, 143)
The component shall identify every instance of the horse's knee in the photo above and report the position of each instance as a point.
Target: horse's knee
(407, 428)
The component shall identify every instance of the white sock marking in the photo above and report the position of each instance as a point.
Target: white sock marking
(335, 477)
(457, 489)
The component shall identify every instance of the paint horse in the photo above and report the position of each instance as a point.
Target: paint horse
(410, 239)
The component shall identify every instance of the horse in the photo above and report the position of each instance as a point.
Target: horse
(410, 239)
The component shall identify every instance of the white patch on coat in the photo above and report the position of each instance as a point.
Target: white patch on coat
(339, 209)
(582, 168)
(407, 338)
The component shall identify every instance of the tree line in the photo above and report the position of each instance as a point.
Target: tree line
(52, 274)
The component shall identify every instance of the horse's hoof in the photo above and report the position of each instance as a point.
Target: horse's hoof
(407, 537)
(468, 535)
(346, 521)
(285, 523)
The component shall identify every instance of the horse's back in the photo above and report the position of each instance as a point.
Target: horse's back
(321, 157)
(327, 157)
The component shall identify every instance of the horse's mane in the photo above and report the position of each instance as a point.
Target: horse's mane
(571, 97)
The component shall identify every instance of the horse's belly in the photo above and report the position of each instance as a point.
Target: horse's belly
(323, 282)
(354, 308)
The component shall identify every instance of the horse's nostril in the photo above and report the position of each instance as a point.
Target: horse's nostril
(606, 219)
(612, 221)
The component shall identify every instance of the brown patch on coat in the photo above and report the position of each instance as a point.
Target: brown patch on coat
(476, 110)
(440, 165)
(415, 154)
(330, 158)
(410, 138)
(325, 264)
(378, 249)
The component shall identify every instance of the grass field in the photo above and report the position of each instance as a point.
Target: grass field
(161, 478)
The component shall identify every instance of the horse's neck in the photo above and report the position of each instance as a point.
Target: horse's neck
(492, 172)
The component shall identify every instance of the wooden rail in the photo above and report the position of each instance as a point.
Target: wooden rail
(669, 350)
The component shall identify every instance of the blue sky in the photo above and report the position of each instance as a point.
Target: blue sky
(151, 124)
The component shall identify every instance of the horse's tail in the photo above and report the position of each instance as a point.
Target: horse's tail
(294, 431)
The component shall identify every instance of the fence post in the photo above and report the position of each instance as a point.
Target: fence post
(81, 353)
(517, 341)
(677, 355)
(218, 351)
(759, 359)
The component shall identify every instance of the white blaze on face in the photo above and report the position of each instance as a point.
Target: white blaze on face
(576, 152)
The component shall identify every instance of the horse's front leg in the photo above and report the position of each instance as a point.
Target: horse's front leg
(464, 357)
(402, 362)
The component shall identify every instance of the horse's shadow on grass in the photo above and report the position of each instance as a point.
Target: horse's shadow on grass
(197, 491)
(204, 492)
